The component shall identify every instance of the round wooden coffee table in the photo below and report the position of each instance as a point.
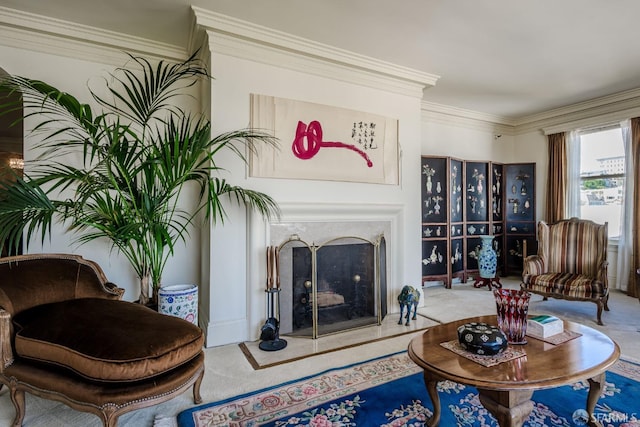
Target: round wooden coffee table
(505, 389)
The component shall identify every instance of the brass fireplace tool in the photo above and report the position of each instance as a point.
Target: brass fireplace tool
(270, 332)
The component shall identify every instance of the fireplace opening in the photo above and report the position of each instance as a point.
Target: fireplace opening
(334, 287)
(344, 292)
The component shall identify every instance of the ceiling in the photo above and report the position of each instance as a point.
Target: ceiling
(512, 59)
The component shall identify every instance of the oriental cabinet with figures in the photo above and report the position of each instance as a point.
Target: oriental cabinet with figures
(520, 224)
(462, 200)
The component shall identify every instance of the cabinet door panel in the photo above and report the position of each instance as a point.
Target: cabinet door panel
(476, 194)
(497, 191)
(434, 189)
(457, 255)
(434, 257)
(520, 196)
(457, 191)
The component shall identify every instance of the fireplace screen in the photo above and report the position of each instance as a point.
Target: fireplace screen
(330, 288)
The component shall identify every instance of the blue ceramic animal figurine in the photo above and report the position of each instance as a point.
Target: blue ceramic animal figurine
(409, 296)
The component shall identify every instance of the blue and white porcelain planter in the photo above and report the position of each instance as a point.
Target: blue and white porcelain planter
(180, 301)
(487, 258)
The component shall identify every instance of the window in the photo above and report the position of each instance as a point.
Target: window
(602, 166)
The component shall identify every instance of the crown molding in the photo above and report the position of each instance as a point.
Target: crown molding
(606, 109)
(439, 113)
(242, 39)
(604, 103)
(611, 117)
(39, 33)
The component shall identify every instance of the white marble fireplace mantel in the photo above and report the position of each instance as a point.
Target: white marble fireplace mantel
(317, 223)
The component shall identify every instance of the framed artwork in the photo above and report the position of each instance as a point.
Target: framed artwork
(321, 142)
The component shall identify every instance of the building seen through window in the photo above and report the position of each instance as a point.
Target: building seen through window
(602, 166)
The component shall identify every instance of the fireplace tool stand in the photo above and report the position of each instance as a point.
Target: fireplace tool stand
(270, 334)
(270, 331)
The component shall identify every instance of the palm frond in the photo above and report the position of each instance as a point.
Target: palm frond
(24, 210)
(138, 155)
(262, 203)
(144, 97)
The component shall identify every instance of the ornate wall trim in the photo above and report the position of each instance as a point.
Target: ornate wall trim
(242, 39)
(38, 33)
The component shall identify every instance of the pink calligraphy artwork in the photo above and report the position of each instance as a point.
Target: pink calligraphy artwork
(308, 141)
(323, 142)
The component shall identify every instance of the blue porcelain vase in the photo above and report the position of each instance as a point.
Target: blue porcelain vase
(180, 301)
(487, 258)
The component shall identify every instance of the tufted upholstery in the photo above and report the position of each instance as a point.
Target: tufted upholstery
(571, 262)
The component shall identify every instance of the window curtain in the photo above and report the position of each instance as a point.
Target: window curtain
(626, 241)
(634, 160)
(573, 175)
(557, 178)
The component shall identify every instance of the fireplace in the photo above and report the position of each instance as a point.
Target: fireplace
(331, 287)
(318, 225)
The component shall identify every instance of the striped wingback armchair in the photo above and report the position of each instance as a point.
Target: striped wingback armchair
(571, 263)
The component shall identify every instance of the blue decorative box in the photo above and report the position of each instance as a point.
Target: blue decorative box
(482, 338)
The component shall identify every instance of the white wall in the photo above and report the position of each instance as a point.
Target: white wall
(232, 283)
(467, 143)
(73, 75)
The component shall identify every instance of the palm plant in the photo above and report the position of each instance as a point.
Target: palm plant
(139, 155)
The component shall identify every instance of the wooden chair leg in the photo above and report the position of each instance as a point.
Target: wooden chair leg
(17, 397)
(600, 305)
(109, 418)
(196, 389)
(606, 303)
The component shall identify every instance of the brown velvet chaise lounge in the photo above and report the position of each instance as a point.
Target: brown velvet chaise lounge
(66, 335)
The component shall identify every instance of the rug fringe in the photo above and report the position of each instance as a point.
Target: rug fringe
(161, 421)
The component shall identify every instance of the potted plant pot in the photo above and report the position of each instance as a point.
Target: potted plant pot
(180, 301)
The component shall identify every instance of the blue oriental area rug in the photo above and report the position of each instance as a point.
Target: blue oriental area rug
(390, 391)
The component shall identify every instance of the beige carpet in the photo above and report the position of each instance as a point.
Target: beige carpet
(229, 372)
(622, 323)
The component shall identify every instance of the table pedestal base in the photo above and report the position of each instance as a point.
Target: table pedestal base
(510, 408)
(482, 281)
